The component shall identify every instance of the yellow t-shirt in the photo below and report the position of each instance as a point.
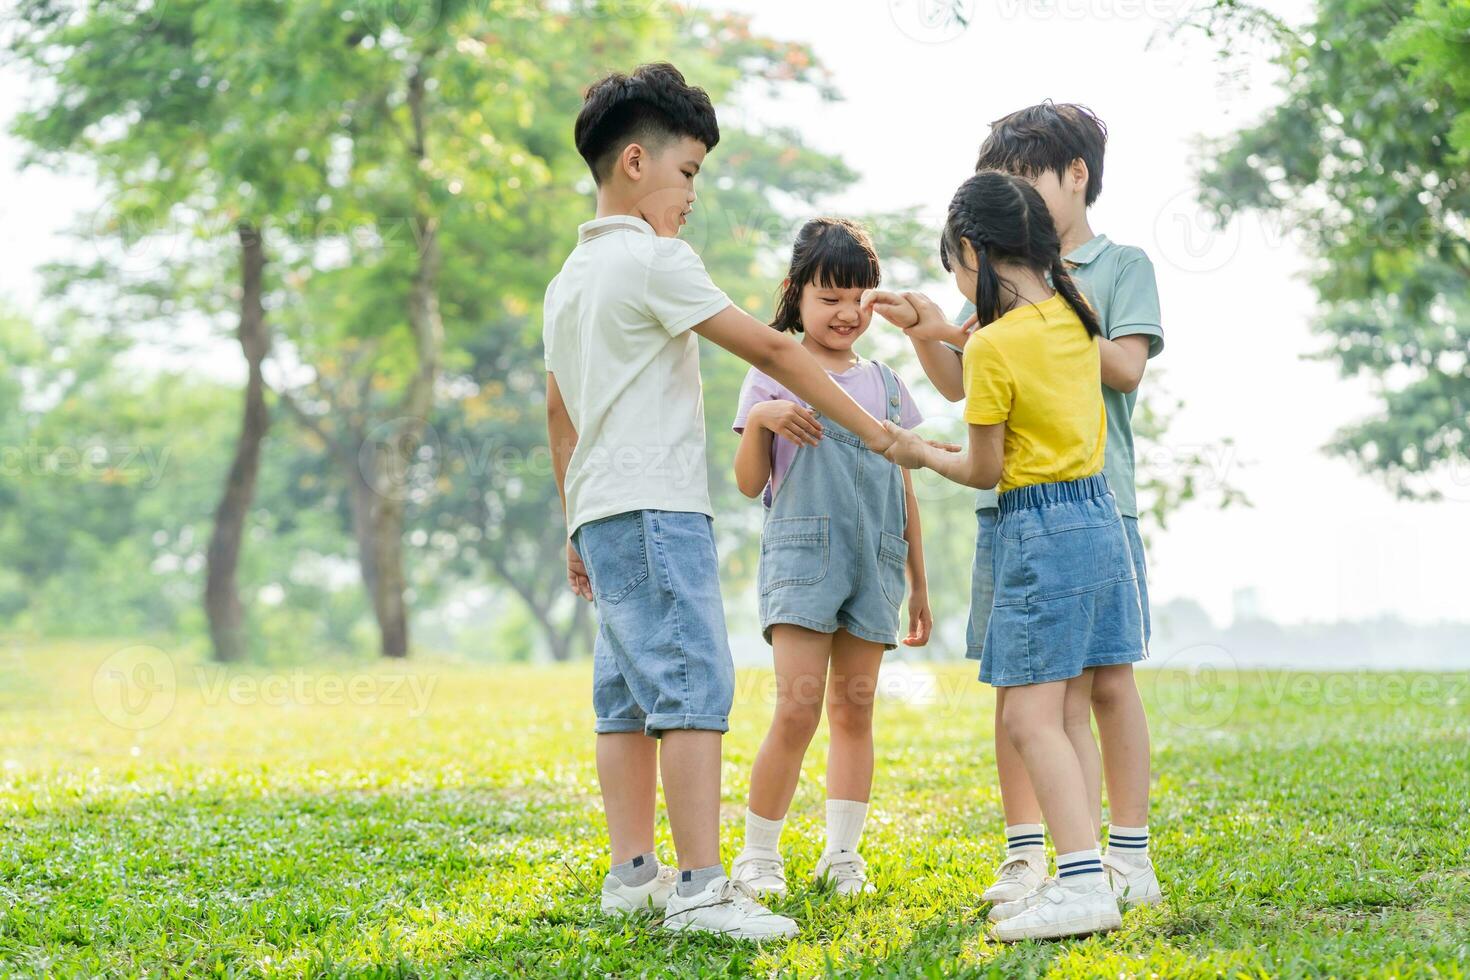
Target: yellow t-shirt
(1037, 370)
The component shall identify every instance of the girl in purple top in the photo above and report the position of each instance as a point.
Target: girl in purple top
(841, 536)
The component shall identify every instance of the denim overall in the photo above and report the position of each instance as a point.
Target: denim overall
(833, 553)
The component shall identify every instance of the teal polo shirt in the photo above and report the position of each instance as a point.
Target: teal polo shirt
(1118, 280)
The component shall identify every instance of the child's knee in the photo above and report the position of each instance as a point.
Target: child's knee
(851, 718)
(796, 721)
(1111, 685)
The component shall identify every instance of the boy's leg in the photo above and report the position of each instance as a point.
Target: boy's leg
(1077, 719)
(690, 762)
(627, 769)
(801, 656)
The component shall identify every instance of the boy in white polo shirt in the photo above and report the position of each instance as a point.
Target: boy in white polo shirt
(625, 416)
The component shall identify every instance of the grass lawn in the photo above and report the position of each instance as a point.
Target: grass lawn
(159, 817)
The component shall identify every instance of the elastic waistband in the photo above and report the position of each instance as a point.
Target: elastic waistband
(1046, 494)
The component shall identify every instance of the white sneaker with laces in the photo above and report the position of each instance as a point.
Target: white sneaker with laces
(728, 908)
(763, 871)
(1133, 885)
(1059, 910)
(654, 894)
(846, 871)
(1001, 911)
(1016, 878)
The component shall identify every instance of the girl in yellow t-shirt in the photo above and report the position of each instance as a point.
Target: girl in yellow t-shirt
(1065, 586)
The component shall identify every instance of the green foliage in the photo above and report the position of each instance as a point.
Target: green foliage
(445, 821)
(1365, 159)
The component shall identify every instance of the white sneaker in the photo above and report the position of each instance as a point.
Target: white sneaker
(1059, 910)
(763, 871)
(1133, 885)
(846, 871)
(728, 908)
(1016, 878)
(1001, 911)
(654, 894)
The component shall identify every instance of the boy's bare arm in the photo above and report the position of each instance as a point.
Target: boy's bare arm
(778, 355)
(1123, 361)
(561, 437)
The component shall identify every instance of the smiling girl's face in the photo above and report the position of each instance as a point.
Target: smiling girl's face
(833, 317)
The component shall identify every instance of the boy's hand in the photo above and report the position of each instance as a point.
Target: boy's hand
(787, 419)
(893, 307)
(921, 620)
(577, 574)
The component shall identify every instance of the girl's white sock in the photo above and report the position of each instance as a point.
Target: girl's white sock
(761, 834)
(1076, 869)
(1128, 843)
(845, 820)
(1024, 840)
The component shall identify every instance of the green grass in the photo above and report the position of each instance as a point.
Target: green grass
(1303, 826)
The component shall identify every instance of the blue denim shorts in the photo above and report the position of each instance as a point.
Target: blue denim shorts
(982, 584)
(662, 657)
(1066, 587)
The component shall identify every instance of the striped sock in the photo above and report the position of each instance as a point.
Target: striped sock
(1076, 869)
(1128, 843)
(1025, 840)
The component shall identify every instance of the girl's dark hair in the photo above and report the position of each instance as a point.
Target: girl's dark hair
(833, 252)
(1004, 217)
(1047, 137)
(652, 106)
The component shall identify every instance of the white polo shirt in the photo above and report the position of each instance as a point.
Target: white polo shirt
(617, 337)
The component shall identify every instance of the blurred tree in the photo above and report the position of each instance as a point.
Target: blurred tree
(1366, 159)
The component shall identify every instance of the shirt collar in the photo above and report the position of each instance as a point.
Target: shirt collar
(1088, 250)
(613, 222)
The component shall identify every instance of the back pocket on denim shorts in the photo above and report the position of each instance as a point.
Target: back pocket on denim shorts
(616, 555)
(893, 556)
(1075, 560)
(794, 551)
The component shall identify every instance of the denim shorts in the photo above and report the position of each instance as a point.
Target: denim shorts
(662, 657)
(982, 584)
(833, 551)
(1066, 587)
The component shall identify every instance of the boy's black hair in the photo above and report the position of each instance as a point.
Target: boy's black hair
(1003, 217)
(651, 107)
(1047, 137)
(832, 252)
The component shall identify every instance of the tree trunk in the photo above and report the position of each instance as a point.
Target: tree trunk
(221, 589)
(388, 464)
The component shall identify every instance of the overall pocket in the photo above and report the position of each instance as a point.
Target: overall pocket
(893, 556)
(794, 551)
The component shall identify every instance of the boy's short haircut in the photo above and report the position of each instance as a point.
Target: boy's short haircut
(651, 107)
(1047, 137)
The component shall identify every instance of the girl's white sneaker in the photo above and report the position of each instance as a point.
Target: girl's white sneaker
(763, 871)
(728, 908)
(652, 895)
(1133, 885)
(1001, 911)
(1059, 910)
(846, 871)
(1016, 878)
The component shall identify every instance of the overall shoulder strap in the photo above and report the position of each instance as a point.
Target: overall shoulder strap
(893, 402)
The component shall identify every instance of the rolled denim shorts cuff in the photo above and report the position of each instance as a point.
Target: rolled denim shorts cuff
(617, 726)
(657, 724)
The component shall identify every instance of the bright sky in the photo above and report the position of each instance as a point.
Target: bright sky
(1323, 542)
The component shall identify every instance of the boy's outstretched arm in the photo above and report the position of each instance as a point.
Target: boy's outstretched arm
(561, 437)
(1123, 361)
(778, 355)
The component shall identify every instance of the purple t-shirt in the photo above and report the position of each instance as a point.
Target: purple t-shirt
(864, 382)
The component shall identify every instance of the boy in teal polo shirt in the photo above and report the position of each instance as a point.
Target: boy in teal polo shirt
(1059, 148)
